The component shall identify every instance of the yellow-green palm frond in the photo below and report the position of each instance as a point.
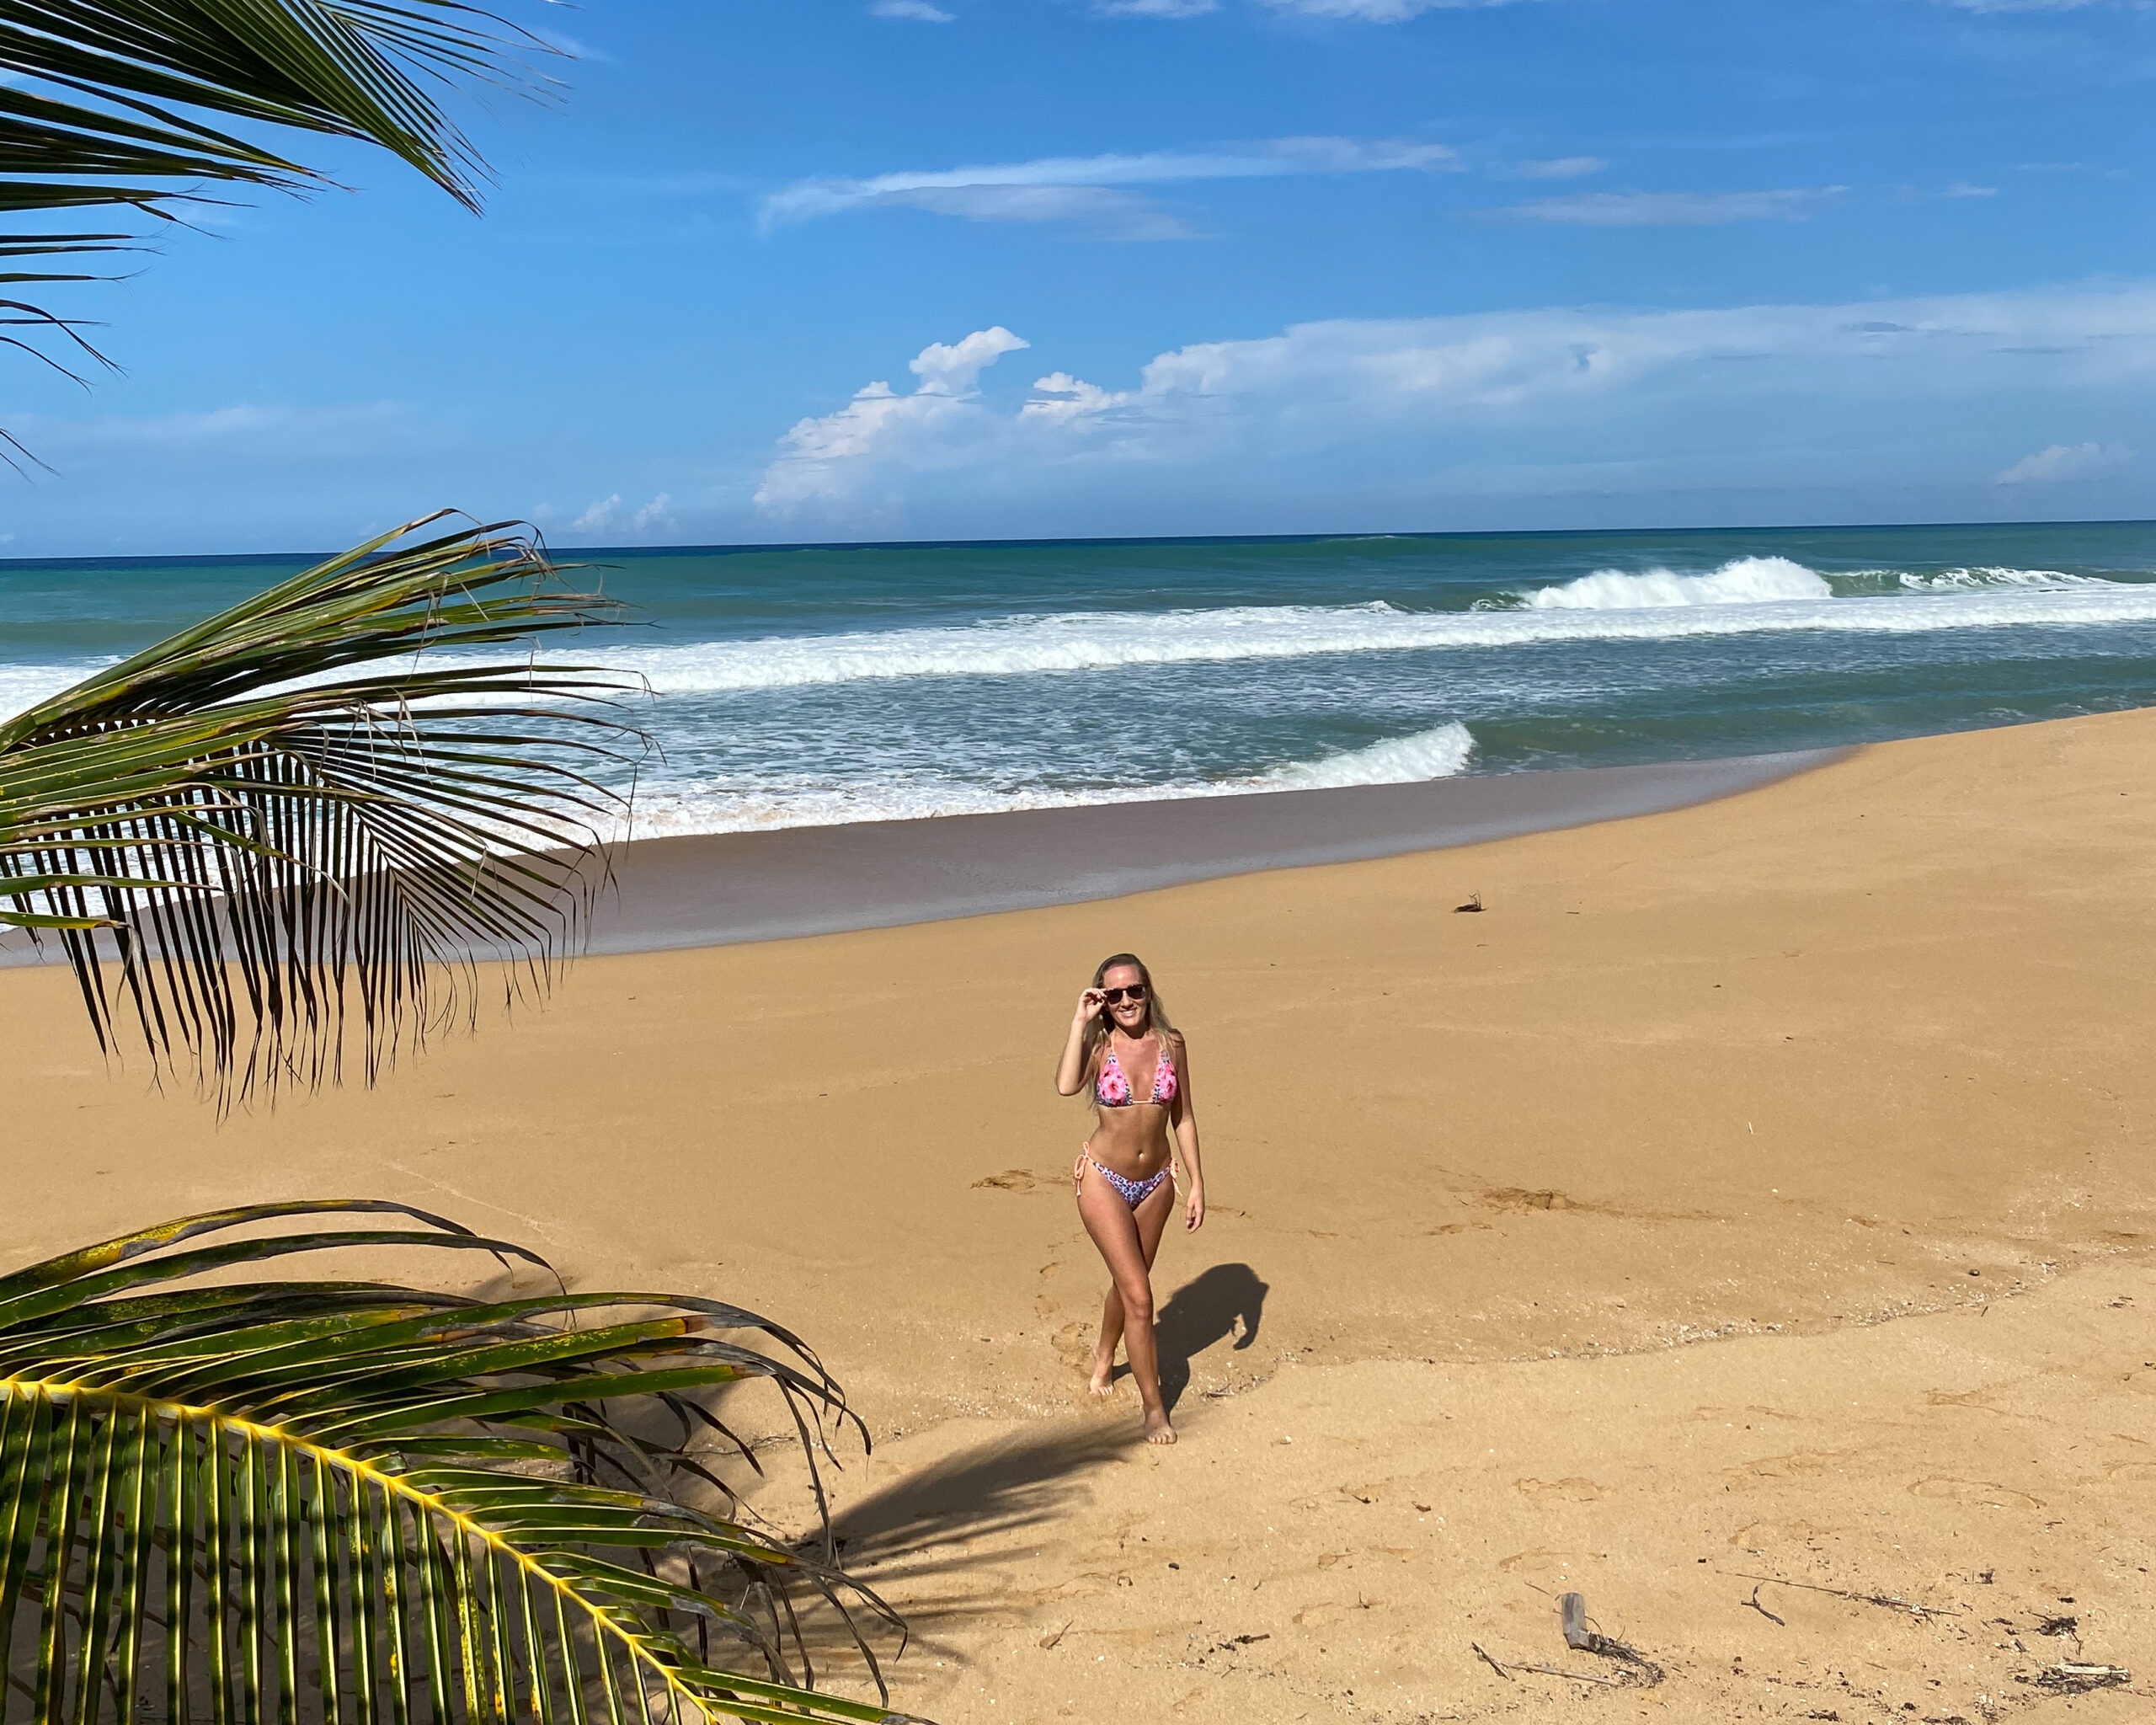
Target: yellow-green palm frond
(349, 1501)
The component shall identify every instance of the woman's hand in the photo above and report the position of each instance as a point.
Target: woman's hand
(1089, 1005)
(1193, 1208)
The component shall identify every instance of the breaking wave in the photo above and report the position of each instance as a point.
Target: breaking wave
(1439, 753)
(1105, 640)
(1743, 580)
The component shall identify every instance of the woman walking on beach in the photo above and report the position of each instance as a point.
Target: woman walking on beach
(1138, 1064)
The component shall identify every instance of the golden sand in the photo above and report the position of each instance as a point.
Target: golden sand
(1759, 1190)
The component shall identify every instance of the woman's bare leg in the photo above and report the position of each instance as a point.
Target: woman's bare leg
(1103, 1382)
(1128, 1241)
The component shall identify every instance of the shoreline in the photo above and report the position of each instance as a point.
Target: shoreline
(790, 883)
(798, 881)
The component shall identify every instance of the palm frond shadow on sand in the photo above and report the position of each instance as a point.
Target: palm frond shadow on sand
(924, 1539)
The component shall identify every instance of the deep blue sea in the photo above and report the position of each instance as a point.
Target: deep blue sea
(820, 685)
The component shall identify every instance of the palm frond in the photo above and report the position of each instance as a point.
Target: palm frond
(258, 838)
(353, 1501)
(352, 68)
(103, 103)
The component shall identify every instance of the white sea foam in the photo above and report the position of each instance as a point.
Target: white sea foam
(22, 686)
(1400, 761)
(1980, 580)
(671, 810)
(1103, 640)
(1758, 596)
(1743, 580)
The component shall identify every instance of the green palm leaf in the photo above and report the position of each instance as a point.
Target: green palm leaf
(352, 1501)
(103, 103)
(352, 68)
(265, 843)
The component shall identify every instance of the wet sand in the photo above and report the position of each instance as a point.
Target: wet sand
(729, 887)
(1758, 1188)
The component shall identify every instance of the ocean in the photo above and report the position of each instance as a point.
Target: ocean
(821, 684)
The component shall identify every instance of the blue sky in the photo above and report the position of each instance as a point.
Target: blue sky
(799, 269)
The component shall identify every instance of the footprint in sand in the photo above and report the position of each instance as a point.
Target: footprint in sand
(1074, 1347)
(1758, 1535)
(1982, 1491)
(1010, 1180)
(1569, 1491)
(1800, 1464)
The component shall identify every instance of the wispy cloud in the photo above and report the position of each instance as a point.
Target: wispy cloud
(1968, 189)
(574, 47)
(1378, 11)
(274, 434)
(1676, 209)
(1155, 9)
(1091, 188)
(1561, 167)
(911, 11)
(2067, 462)
(2042, 5)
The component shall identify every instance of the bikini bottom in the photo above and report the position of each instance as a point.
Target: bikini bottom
(1133, 1192)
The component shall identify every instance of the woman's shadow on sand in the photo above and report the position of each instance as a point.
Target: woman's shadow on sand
(1000, 1489)
(1201, 1313)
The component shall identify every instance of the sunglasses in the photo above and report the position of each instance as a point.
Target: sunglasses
(1116, 996)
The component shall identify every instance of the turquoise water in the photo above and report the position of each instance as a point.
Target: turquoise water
(822, 684)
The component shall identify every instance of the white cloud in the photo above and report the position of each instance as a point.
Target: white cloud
(821, 458)
(1086, 188)
(1427, 397)
(1964, 188)
(1676, 209)
(2066, 460)
(599, 516)
(913, 11)
(1155, 9)
(1561, 167)
(606, 515)
(955, 368)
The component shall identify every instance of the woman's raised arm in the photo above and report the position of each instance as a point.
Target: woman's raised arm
(1070, 1070)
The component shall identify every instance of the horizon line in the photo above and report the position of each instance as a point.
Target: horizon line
(749, 547)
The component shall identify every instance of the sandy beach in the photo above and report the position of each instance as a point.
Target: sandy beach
(1746, 1220)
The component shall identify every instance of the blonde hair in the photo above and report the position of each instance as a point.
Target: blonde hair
(1098, 1029)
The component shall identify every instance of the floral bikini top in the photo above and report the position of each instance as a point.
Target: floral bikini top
(1112, 1090)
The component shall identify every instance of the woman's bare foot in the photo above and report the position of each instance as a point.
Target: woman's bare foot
(1157, 1428)
(1103, 1383)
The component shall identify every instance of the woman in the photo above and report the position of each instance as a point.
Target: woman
(1138, 1065)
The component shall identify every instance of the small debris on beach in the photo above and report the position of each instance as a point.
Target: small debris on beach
(1474, 904)
(1893, 1602)
(2068, 1677)
(1572, 1614)
(1490, 1662)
